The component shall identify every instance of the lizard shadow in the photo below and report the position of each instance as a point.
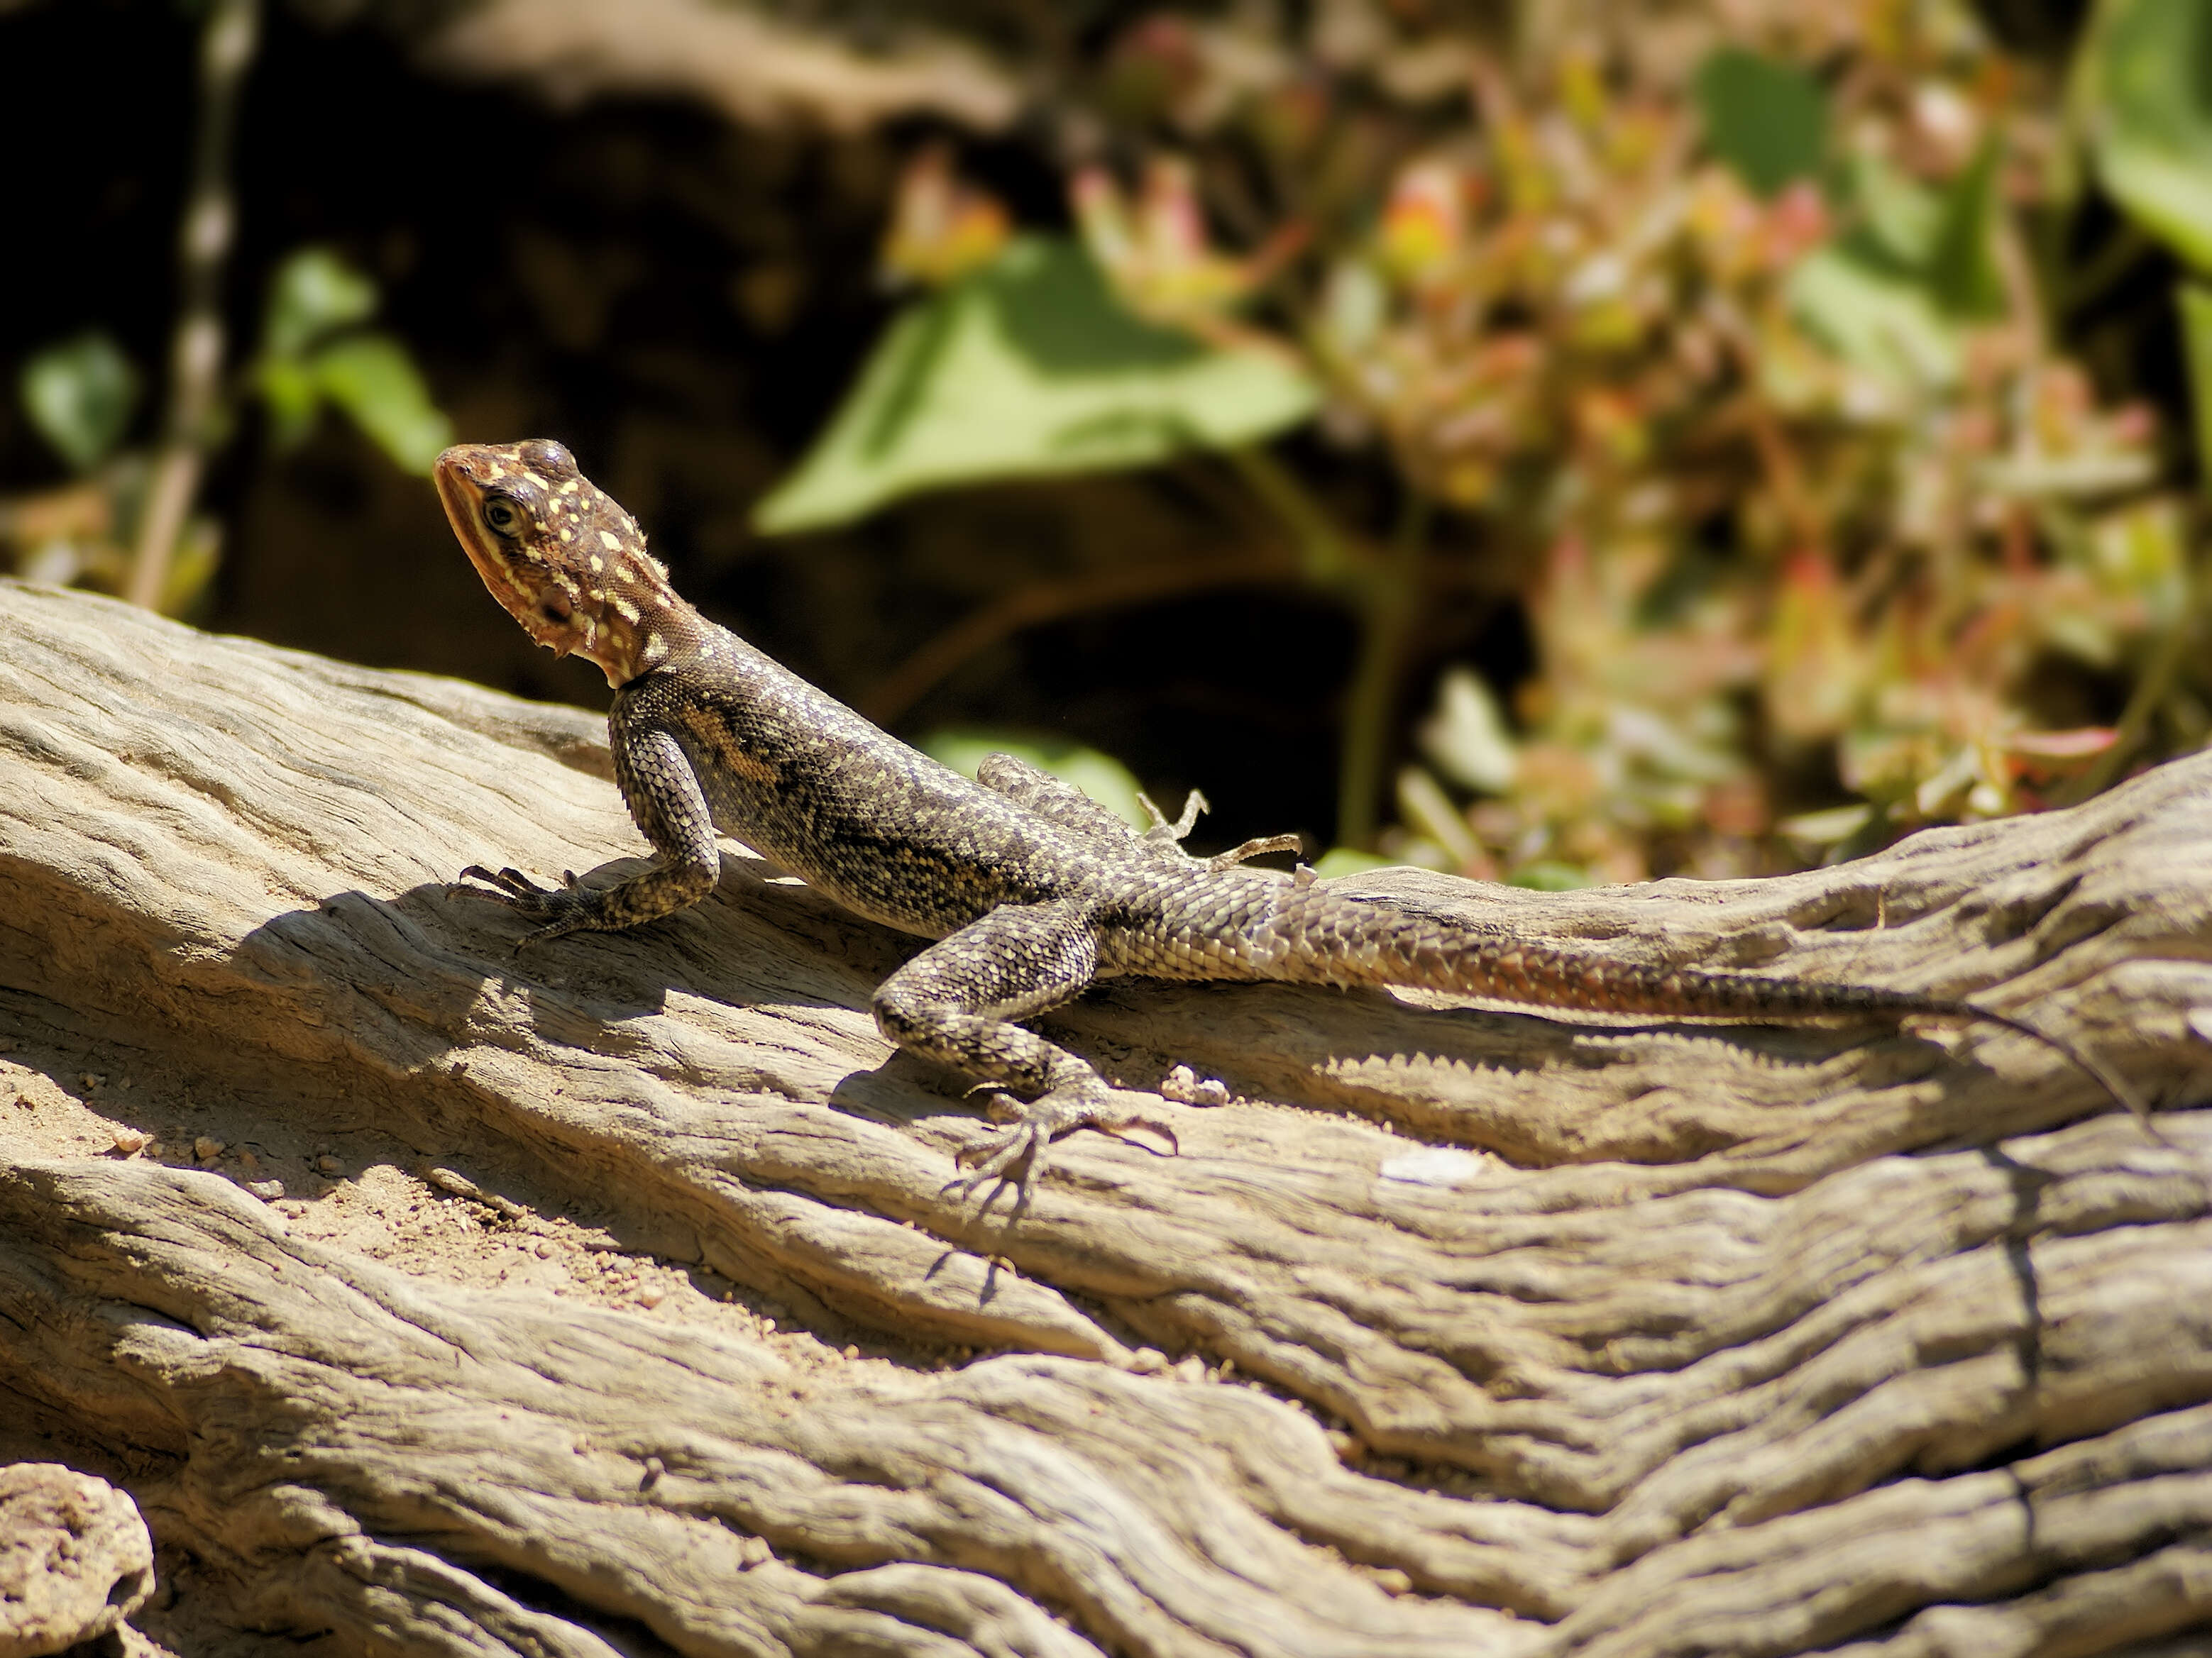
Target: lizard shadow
(756, 941)
(762, 941)
(430, 955)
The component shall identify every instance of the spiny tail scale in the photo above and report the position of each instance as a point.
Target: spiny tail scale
(1341, 940)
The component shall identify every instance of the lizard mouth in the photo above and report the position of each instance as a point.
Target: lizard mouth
(461, 492)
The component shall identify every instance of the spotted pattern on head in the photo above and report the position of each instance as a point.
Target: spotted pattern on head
(524, 514)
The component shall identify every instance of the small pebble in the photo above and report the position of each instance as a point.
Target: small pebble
(207, 1148)
(651, 1296)
(267, 1190)
(1391, 1580)
(130, 1141)
(327, 1165)
(545, 1248)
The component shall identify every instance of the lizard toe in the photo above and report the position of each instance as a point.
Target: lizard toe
(1031, 1127)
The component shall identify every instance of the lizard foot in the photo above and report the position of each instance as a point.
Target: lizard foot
(563, 909)
(1032, 1126)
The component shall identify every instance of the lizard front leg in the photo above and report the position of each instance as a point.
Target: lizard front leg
(958, 1001)
(663, 793)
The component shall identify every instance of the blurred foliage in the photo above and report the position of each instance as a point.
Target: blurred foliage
(315, 351)
(2144, 89)
(1725, 340)
(1024, 366)
(81, 395)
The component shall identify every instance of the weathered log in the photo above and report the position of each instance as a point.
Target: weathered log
(1463, 1330)
(75, 1560)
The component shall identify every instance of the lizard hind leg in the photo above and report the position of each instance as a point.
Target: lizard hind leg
(957, 1003)
(1073, 810)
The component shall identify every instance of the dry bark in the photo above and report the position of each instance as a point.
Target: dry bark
(1498, 1333)
(75, 1560)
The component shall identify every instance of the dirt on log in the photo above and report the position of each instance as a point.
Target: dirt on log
(607, 1298)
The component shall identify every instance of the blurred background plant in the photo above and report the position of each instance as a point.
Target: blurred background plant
(1730, 339)
(127, 521)
(1560, 441)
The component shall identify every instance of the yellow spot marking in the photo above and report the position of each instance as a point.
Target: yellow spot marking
(628, 611)
(570, 535)
(655, 647)
(598, 563)
(611, 542)
(534, 478)
(711, 731)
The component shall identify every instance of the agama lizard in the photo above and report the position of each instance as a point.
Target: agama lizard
(1030, 889)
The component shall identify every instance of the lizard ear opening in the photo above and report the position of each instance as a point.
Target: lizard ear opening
(554, 605)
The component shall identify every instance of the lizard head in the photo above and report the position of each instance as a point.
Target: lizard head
(553, 546)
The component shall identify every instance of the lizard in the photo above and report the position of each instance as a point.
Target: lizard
(1028, 888)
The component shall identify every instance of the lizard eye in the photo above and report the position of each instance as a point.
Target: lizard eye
(500, 513)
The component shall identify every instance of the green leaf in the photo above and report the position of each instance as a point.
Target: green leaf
(1548, 875)
(2143, 87)
(1029, 367)
(371, 378)
(1962, 267)
(291, 397)
(1103, 778)
(1900, 215)
(2194, 299)
(1768, 120)
(1888, 296)
(1350, 860)
(1876, 317)
(314, 293)
(79, 395)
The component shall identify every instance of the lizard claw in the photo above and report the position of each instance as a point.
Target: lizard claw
(562, 909)
(1030, 1127)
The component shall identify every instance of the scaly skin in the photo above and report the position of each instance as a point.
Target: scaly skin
(1032, 889)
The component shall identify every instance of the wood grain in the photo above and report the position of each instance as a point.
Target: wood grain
(1463, 1330)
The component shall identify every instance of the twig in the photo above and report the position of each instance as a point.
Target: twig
(227, 45)
(913, 678)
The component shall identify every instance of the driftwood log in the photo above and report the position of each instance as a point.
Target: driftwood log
(1458, 1331)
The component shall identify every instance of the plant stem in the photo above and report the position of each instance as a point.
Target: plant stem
(890, 698)
(1382, 593)
(227, 45)
(2150, 694)
(1326, 557)
(1386, 619)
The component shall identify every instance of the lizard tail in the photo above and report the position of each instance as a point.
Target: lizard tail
(1344, 941)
